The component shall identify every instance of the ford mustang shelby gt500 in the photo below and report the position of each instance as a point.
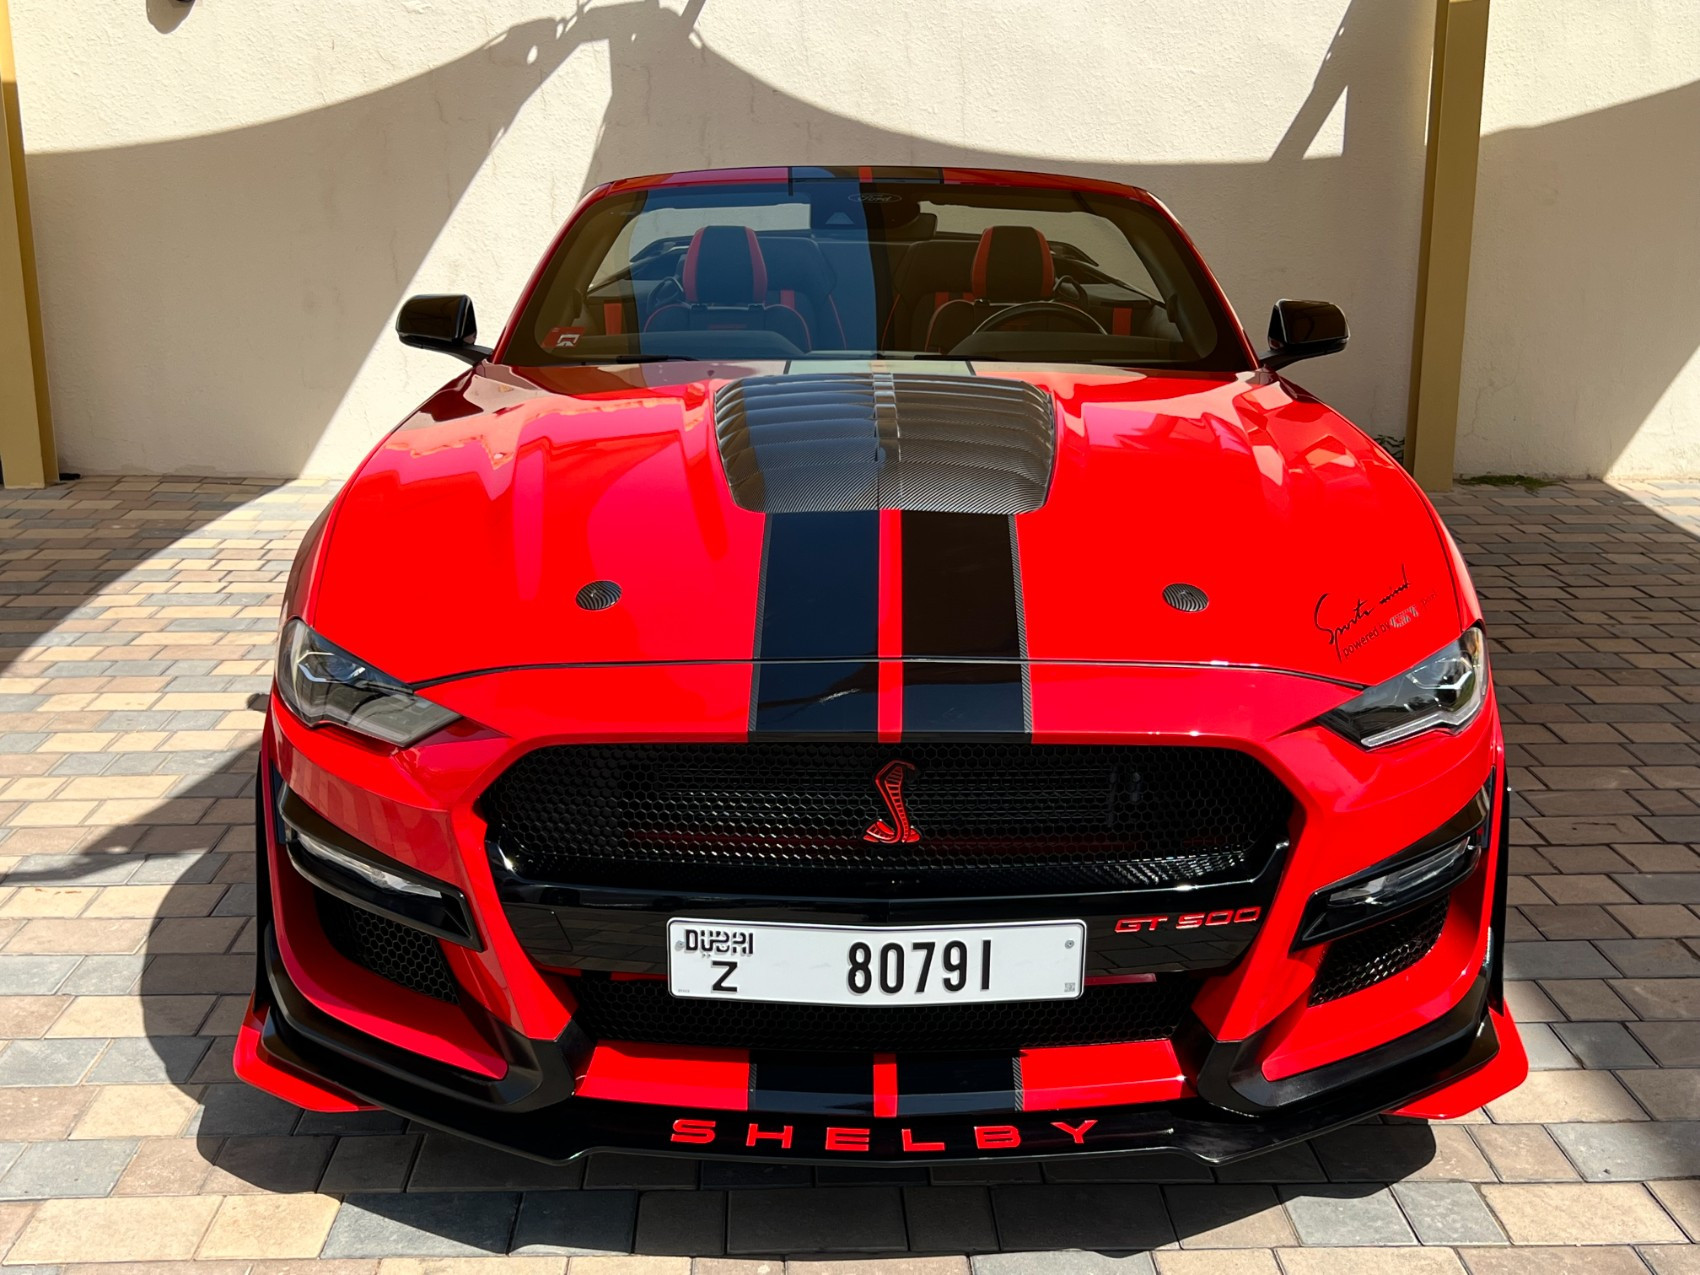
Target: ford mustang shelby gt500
(872, 666)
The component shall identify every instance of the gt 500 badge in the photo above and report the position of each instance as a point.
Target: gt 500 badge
(1187, 920)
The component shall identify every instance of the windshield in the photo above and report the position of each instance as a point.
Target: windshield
(830, 267)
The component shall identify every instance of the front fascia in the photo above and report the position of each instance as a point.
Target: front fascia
(1352, 808)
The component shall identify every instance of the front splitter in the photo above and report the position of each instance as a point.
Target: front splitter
(532, 1110)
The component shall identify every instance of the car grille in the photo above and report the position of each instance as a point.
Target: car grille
(388, 948)
(1374, 955)
(643, 1010)
(995, 819)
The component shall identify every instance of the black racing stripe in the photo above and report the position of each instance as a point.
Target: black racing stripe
(819, 602)
(962, 601)
(812, 1084)
(946, 1084)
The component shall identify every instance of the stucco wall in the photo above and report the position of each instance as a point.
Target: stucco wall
(231, 199)
(1585, 282)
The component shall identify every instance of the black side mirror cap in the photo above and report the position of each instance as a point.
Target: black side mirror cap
(1304, 330)
(445, 323)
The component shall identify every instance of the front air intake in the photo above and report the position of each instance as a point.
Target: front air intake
(838, 442)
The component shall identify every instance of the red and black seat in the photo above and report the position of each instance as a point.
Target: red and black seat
(1012, 266)
(932, 274)
(725, 289)
(799, 279)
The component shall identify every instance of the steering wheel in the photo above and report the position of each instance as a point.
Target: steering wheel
(1073, 317)
(1077, 290)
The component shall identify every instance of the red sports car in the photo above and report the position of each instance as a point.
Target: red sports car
(872, 666)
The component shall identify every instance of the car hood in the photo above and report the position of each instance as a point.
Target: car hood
(464, 542)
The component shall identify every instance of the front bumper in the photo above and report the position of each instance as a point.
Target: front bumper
(1253, 1065)
(532, 1109)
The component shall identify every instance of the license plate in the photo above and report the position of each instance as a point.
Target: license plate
(875, 965)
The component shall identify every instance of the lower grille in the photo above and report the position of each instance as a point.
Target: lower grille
(643, 1010)
(389, 949)
(1374, 955)
(993, 818)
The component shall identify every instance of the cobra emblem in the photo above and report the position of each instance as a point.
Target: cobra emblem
(889, 783)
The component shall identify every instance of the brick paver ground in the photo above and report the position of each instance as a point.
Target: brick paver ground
(136, 620)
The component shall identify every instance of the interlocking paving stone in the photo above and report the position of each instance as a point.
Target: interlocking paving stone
(269, 1164)
(149, 1060)
(33, 975)
(1353, 1261)
(1063, 1263)
(47, 1062)
(1602, 1045)
(1346, 1215)
(1225, 1216)
(1548, 1096)
(1158, 1167)
(1671, 1044)
(640, 1172)
(463, 1224)
(448, 1163)
(950, 1219)
(1545, 1050)
(237, 1108)
(1631, 1152)
(683, 1223)
(572, 1222)
(1581, 1213)
(1107, 1217)
(371, 1163)
(1670, 1094)
(735, 1174)
(1523, 1153)
(49, 1170)
(1447, 1213)
(1545, 960)
(842, 1219)
(1295, 1163)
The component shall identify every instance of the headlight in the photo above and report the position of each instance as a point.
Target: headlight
(1445, 690)
(321, 682)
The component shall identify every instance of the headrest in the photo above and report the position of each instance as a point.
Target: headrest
(796, 263)
(724, 266)
(1013, 263)
(935, 265)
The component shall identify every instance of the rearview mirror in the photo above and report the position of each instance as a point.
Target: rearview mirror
(1304, 330)
(445, 323)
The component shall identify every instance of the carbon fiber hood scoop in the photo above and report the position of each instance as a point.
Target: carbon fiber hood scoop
(836, 442)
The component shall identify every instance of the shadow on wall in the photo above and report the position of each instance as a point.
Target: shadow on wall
(294, 242)
(1584, 300)
(167, 15)
(299, 237)
(302, 235)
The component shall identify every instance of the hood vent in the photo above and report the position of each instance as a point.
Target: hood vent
(836, 442)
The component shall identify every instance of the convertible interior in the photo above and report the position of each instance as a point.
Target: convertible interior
(862, 271)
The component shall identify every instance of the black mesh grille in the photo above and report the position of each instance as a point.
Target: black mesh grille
(1363, 959)
(994, 818)
(845, 441)
(388, 948)
(644, 1010)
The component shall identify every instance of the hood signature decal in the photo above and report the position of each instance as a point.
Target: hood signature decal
(1351, 626)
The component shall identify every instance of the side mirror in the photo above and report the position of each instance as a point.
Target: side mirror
(1304, 330)
(443, 323)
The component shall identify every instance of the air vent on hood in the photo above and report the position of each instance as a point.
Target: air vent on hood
(829, 442)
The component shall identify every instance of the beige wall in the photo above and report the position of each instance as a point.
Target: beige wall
(1580, 352)
(233, 198)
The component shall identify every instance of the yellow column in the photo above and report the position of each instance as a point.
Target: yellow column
(1449, 209)
(27, 457)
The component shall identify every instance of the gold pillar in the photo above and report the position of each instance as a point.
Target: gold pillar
(27, 457)
(1443, 266)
